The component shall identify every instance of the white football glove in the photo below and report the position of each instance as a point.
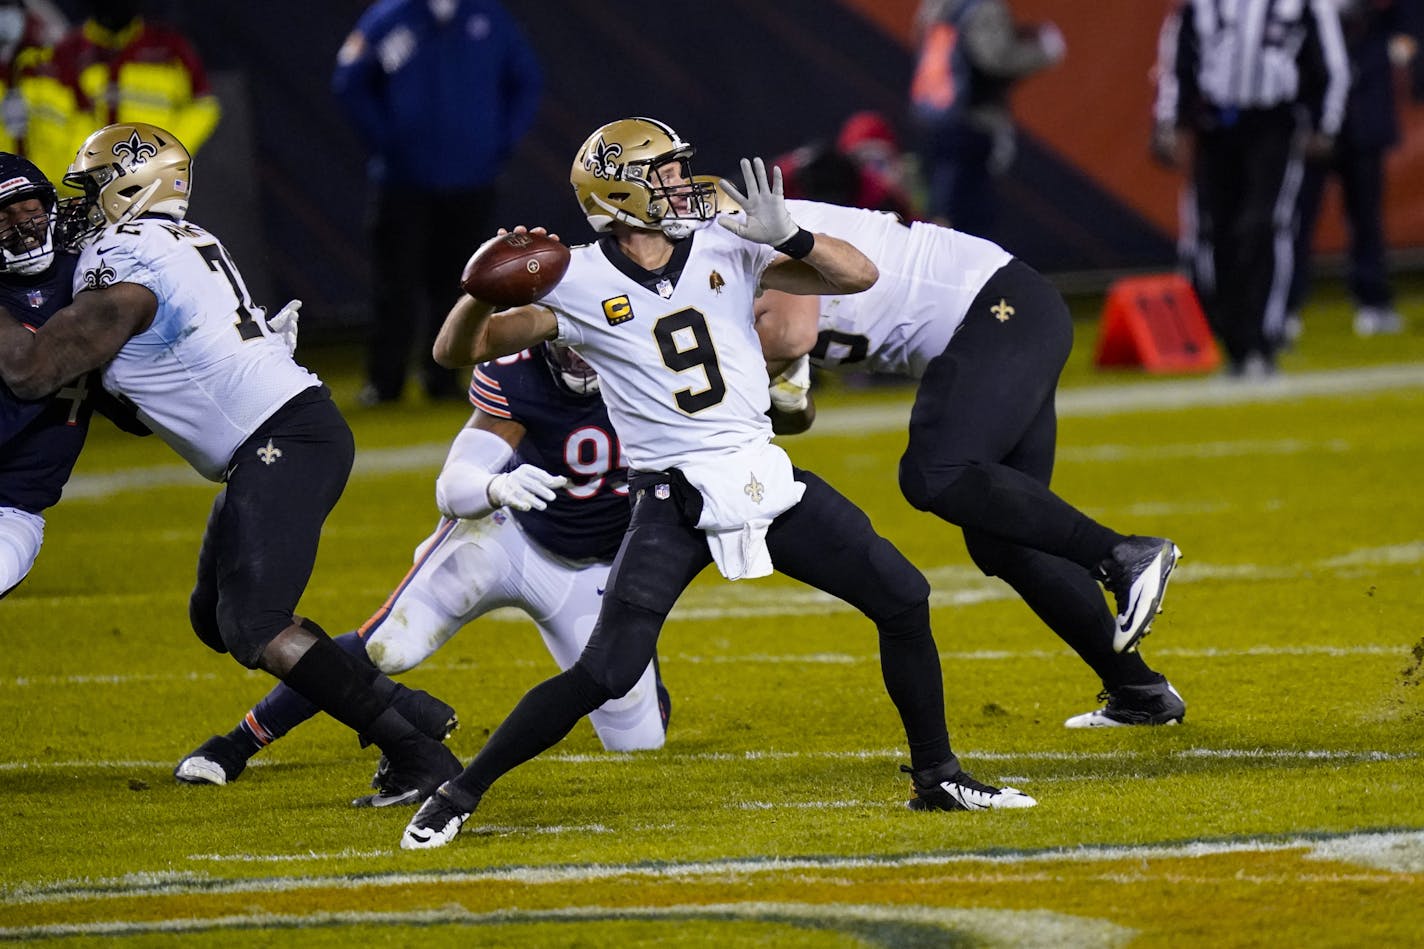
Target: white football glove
(764, 218)
(525, 488)
(790, 389)
(284, 324)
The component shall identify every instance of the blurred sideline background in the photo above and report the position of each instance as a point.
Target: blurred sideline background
(282, 180)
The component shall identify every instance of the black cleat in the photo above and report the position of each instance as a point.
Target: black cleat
(1155, 704)
(947, 787)
(430, 716)
(412, 774)
(1136, 574)
(219, 760)
(439, 819)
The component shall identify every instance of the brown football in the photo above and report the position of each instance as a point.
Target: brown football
(515, 269)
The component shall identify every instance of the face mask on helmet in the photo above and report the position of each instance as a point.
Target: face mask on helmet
(26, 237)
(638, 171)
(570, 371)
(27, 219)
(126, 171)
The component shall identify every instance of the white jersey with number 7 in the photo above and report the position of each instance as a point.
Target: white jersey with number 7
(207, 371)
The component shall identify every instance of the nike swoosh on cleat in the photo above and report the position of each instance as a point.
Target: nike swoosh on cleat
(410, 796)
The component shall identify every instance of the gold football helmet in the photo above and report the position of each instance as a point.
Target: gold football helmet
(620, 174)
(124, 171)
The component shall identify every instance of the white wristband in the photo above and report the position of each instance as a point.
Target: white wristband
(476, 456)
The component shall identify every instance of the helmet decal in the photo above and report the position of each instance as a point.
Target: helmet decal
(600, 161)
(135, 151)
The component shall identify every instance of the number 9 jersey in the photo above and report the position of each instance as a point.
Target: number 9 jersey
(207, 372)
(565, 434)
(676, 351)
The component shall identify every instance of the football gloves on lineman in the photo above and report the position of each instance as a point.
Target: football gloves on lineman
(284, 324)
(525, 488)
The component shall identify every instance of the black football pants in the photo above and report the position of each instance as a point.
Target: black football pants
(824, 540)
(261, 540)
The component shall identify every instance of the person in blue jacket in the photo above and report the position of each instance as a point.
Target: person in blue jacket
(440, 91)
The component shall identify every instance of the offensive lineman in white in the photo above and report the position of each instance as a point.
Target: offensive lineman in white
(160, 305)
(662, 307)
(987, 337)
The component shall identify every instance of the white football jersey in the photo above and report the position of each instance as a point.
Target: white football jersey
(928, 277)
(682, 374)
(207, 372)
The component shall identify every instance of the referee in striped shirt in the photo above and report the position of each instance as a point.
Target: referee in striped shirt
(1246, 91)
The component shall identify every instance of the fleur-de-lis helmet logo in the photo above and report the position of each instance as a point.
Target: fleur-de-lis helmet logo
(134, 151)
(99, 277)
(602, 159)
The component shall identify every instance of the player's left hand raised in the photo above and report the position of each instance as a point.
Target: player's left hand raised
(764, 218)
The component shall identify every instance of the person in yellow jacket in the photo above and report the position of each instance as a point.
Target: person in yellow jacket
(118, 67)
(26, 42)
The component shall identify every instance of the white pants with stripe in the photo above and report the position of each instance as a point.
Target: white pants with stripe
(21, 534)
(468, 568)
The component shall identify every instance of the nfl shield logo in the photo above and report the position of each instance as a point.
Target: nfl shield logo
(662, 491)
(36, 298)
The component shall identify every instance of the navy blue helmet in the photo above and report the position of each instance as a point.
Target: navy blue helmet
(27, 217)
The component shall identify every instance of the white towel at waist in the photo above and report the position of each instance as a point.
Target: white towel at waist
(742, 493)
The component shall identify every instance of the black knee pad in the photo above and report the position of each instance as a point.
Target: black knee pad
(899, 585)
(913, 483)
(203, 616)
(911, 622)
(621, 647)
(247, 637)
(587, 686)
(993, 557)
(952, 492)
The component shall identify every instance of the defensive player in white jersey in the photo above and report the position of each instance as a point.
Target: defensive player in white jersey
(160, 305)
(534, 503)
(662, 308)
(987, 337)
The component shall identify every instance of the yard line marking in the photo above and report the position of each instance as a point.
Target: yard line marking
(1157, 396)
(810, 659)
(1379, 846)
(1086, 401)
(287, 857)
(1348, 756)
(1219, 449)
(124, 679)
(896, 924)
(799, 805)
(102, 764)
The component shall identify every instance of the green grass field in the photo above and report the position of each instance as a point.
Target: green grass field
(1287, 810)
